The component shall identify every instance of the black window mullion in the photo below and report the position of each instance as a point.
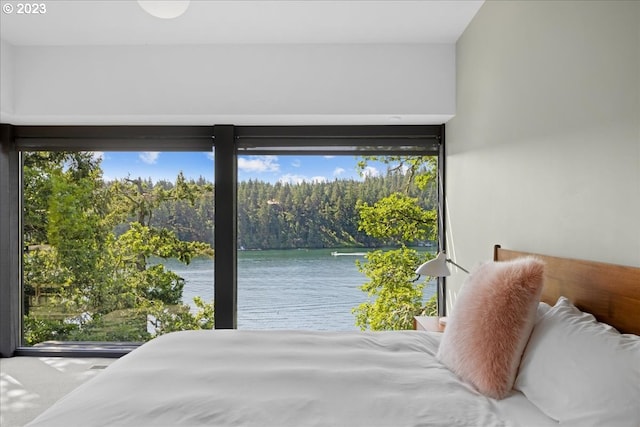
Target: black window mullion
(225, 219)
(10, 244)
(442, 241)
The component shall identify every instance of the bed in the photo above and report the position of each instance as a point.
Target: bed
(307, 378)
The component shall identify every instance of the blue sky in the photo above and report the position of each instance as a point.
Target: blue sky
(291, 169)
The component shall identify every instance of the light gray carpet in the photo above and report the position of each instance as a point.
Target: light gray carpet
(29, 385)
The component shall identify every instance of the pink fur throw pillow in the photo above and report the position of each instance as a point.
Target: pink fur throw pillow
(491, 323)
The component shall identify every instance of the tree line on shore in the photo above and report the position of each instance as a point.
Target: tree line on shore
(288, 216)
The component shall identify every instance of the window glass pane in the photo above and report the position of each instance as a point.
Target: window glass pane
(306, 251)
(116, 245)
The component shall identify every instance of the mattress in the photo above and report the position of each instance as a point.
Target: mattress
(285, 378)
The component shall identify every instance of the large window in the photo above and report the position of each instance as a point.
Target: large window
(88, 292)
(304, 256)
(111, 241)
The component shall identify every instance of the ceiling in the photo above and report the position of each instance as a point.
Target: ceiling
(386, 84)
(124, 22)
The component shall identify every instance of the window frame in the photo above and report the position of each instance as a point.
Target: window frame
(229, 142)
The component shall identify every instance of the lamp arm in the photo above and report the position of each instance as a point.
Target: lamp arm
(461, 268)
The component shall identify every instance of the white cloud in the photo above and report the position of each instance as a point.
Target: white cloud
(299, 179)
(259, 164)
(149, 157)
(97, 155)
(296, 163)
(338, 171)
(370, 172)
(291, 179)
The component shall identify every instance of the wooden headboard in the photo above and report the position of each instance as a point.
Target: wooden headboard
(608, 291)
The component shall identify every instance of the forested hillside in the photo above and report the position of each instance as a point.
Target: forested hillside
(283, 216)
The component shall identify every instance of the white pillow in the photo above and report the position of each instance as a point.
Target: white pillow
(581, 372)
(543, 308)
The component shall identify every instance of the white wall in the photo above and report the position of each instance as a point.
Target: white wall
(237, 84)
(543, 154)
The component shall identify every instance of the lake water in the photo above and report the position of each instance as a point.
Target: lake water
(287, 289)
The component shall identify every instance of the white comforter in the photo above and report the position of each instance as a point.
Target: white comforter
(279, 378)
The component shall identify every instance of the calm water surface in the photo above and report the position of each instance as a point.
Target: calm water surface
(287, 289)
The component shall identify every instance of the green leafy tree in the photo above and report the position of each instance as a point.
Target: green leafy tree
(132, 252)
(63, 240)
(394, 296)
(76, 230)
(149, 287)
(89, 266)
(180, 318)
(38, 169)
